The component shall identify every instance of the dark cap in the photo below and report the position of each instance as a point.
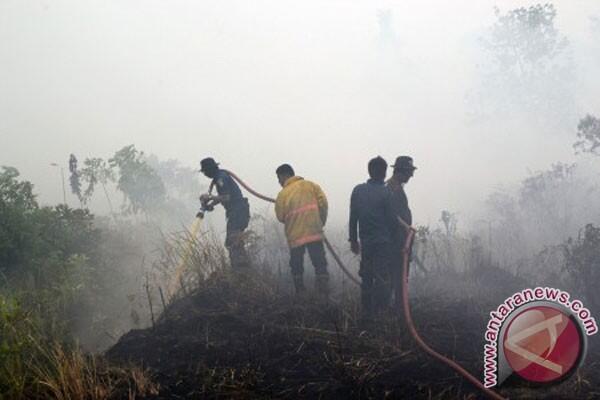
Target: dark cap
(207, 164)
(404, 162)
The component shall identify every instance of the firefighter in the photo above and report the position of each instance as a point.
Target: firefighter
(237, 210)
(301, 206)
(403, 170)
(372, 229)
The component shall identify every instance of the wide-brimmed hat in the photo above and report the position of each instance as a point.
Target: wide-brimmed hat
(404, 162)
(207, 164)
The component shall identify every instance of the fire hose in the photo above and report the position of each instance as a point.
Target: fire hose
(413, 330)
(327, 243)
(406, 304)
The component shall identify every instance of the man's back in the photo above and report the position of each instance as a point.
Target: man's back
(226, 186)
(302, 207)
(371, 210)
(297, 193)
(400, 201)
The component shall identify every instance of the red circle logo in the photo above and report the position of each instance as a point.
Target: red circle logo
(543, 344)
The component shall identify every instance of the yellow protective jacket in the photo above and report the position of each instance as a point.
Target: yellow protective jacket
(302, 206)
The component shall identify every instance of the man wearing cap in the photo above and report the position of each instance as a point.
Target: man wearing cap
(302, 206)
(237, 210)
(372, 215)
(403, 171)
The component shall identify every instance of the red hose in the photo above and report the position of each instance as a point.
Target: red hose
(406, 304)
(329, 246)
(339, 261)
(413, 330)
(248, 188)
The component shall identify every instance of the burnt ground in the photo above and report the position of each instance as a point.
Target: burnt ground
(236, 337)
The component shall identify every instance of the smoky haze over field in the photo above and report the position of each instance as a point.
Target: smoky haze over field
(323, 85)
(497, 101)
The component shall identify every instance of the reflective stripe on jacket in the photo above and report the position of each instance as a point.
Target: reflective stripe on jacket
(302, 206)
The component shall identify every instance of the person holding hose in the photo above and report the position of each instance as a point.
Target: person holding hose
(372, 220)
(237, 210)
(301, 206)
(403, 171)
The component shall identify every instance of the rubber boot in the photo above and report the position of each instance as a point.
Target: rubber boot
(322, 285)
(299, 284)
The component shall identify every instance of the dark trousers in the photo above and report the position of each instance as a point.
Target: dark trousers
(396, 275)
(236, 247)
(397, 264)
(376, 272)
(316, 251)
(238, 218)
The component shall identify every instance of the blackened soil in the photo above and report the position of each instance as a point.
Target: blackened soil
(234, 337)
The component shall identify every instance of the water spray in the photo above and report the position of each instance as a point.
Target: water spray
(206, 205)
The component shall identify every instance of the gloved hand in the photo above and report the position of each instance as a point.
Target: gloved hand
(205, 198)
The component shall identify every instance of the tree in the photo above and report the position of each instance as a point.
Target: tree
(529, 70)
(582, 261)
(74, 180)
(547, 200)
(57, 262)
(588, 135)
(450, 221)
(148, 184)
(33, 237)
(180, 182)
(17, 230)
(95, 171)
(140, 184)
(535, 187)
(525, 41)
(543, 210)
(16, 193)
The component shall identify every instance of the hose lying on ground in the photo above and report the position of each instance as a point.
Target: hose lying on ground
(406, 305)
(413, 330)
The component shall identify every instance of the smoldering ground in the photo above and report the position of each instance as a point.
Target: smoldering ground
(489, 103)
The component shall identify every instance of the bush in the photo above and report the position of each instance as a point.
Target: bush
(58, 279)
(582, 261)
(30, 234)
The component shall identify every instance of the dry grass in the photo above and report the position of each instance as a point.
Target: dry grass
(187, 258)
(70, 374)
(54, 371)
(35, 365)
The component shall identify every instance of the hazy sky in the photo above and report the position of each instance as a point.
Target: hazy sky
(255, 84)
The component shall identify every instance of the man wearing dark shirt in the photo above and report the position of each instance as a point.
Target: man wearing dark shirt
(403, 171)
(237, 210)
(372, 221)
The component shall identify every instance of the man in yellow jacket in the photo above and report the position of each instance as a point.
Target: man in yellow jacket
(302, 206)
